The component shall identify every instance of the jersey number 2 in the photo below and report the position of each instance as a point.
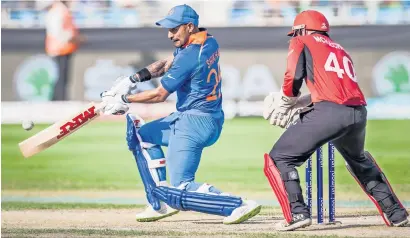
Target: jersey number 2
(217, 74)
(332, 65)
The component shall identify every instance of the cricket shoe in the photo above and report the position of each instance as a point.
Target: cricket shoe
(399, 218)
(396, 215)
(247, 210)
(298, 221)
(402, 223)
(149, 214)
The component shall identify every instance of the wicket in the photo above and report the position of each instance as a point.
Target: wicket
(319, 162)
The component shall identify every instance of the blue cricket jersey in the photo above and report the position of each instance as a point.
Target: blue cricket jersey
(195, 75)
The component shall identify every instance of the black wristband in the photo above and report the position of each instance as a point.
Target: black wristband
(142, 76)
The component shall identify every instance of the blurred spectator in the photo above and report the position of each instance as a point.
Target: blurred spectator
(141, 13)
(272, 8)
(62, 40)
(240, 8)
(390, 4)
(277, 12)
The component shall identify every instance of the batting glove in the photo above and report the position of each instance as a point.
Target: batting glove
(116, 103)
(123, 85)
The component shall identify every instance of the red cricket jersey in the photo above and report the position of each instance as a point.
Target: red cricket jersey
(327, 69)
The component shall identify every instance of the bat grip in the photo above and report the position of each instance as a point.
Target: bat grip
(100, 106)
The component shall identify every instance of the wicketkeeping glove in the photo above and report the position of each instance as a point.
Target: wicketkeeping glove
(277, 106)
(282, 111)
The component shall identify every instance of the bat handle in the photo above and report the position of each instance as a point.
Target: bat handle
(100, 106)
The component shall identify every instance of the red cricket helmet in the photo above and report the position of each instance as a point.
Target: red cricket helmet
(310, 20)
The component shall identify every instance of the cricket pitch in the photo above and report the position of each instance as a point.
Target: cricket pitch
(121, 223)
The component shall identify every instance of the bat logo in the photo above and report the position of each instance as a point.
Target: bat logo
(77, 121)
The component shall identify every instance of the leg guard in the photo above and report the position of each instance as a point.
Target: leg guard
(200, 188)
(209, 203)
(366, 188)
(278, 186)
(149, 158)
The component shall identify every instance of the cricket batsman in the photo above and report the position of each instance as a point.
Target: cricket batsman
(337, 114)
(193, 73)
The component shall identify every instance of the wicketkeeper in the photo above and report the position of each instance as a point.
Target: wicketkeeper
(193, 73)
(338, 114)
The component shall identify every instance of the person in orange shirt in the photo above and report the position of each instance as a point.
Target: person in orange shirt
(62, 40)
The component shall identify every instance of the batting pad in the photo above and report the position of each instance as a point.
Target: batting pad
(199, 202)
(150, 161)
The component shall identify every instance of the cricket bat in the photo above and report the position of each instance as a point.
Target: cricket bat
(60, 130)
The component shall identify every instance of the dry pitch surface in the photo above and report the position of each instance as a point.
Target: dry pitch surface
(121, 223)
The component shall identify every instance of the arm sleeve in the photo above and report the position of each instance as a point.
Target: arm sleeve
(184, 64)
(296, 68)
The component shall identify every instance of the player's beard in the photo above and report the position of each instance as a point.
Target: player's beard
(177, 43)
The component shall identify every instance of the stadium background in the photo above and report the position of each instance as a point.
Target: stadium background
(94, 166)
(122, 38)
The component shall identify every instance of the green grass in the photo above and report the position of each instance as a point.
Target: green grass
(97, 157)
(16, 206)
